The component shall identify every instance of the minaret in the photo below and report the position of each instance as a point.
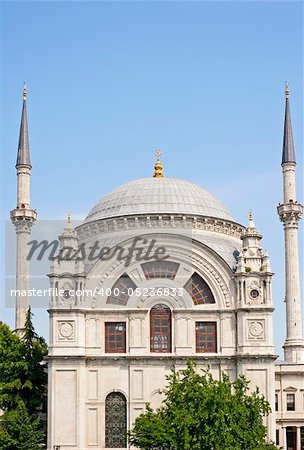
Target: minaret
(23, 217)
(290, 213)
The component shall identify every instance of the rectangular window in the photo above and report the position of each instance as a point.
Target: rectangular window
(160, 329)
(290, 402)
(276, 406)
(115, 337)
(277, 437)
(206, 340)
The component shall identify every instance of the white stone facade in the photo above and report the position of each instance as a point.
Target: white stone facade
(242, 314)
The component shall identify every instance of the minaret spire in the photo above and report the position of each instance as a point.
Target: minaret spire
(23, 217)
(290, 213)
(23, 155)
(288, 154)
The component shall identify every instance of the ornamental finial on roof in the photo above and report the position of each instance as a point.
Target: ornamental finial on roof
(251, 223)
(24, 91)
(69, 217)
(286, 90)
(158, 168)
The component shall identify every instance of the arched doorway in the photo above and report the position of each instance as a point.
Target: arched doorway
(116, 420)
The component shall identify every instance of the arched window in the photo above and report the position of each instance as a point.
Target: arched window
(199, 290)
(121, 290)
(116, 420)
(160, 269)
(160, 329)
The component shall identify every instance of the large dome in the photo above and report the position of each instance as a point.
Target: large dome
(159, 196)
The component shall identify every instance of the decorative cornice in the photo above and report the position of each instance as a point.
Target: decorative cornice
(225, 227)
(214, 358)
(88, 312)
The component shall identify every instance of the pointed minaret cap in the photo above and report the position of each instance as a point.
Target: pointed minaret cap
(250, 221)
(23, 155)
(288, 154)
(68, 229)
(158, 168)
(250, 231)
(68, 232)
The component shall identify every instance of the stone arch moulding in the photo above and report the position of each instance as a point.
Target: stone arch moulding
(201, 258)
(170, 301)
(120, 391)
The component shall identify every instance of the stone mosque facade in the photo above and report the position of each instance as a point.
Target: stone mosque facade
(119, 324)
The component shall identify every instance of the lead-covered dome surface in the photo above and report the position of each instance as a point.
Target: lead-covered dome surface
(159, 196)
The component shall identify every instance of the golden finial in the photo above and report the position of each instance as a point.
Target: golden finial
(158, 168)
(24, 91)
(69, 217)
(286, 90)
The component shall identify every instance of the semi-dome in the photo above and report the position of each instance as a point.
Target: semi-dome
(159, 196)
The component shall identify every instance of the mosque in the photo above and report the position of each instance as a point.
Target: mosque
(119, 324)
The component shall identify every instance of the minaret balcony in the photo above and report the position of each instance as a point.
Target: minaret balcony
(290, 212)
(23, 214)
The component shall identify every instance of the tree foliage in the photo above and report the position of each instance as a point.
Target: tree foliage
(22, 368)
(201, 413)
(19, 431)
(23, 384)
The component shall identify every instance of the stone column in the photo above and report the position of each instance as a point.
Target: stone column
(299, 438)
(284, 438)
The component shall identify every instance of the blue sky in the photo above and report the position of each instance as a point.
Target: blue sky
(111, 82)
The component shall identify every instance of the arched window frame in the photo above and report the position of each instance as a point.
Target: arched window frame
(199, 290)
(121, 290)
(115, 432)
(160, 269)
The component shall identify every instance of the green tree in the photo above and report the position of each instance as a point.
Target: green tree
(12, 368)
(23, 374)
(20, 431)
(201, 413)
(34, 396)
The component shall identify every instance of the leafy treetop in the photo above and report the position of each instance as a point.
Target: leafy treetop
(201, 413)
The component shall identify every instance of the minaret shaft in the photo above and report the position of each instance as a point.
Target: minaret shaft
(23, 230)
(292, 289)
(23, 186)
(289, 182)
